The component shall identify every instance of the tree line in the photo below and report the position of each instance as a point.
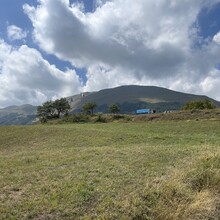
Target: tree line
(199, 105)
(55, 109)
(60, 107)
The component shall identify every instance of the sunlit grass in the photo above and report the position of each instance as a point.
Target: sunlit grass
(157, 170)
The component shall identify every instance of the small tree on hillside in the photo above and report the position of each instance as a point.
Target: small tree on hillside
(52, 109)
(46, 111)
(89, 107)
(200, 105)
(114, 108)
(62, 106)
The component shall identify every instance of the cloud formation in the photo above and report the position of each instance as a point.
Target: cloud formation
(216, 38)
(27, 78)
(122, 42)
(130, 42)
(16, 33)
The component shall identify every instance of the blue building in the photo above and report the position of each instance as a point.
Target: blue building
(143, 111)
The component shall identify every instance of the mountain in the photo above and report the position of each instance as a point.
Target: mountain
(133, 97)
(129, 98)
(18, 115)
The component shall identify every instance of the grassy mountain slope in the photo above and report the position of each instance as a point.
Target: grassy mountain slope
(16, 115)
(131, 98)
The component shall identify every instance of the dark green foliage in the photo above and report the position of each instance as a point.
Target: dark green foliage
(200, 105)
(52, 109)
(62, 106)
(89, 107)
(100, 118)
(76, 118)
(114, 108)
(118, 117)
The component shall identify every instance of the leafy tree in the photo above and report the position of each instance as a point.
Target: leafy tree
(201, 104)
(46, 111)
(208, 104)
(114, 108)
(89, 107)
(52, 109)
(62, 106)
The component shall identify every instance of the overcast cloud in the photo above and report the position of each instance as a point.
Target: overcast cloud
(153, 42)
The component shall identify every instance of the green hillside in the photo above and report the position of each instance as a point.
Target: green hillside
(152, 170)
(17, 115)
(133, 97)
(129, 98)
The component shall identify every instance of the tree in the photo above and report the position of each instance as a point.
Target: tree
(114, 108)
(52, 109)
(62, 106)
(208, 104)
(89, 107)
(201, 104)
(46, 111)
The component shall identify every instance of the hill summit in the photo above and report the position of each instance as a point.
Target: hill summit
(135, 97)
(129, 98)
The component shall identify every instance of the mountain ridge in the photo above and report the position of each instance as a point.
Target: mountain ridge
(130, 98)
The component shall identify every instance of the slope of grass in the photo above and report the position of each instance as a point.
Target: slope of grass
(158, 170)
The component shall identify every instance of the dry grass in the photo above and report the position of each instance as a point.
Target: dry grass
(213, 114)
(156, 170)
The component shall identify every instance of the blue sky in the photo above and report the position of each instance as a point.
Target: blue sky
(15, 16)
(75, 46)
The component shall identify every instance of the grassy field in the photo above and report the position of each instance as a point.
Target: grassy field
(153, 170)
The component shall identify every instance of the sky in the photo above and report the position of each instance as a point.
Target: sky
(57, 48)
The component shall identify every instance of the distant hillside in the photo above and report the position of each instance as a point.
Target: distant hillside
(18, 115)
(129, 98)
(132, 97)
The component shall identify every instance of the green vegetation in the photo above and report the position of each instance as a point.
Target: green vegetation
(154, 170)
(114, 108)
(89, 108)
(52, 109)
(199, 105)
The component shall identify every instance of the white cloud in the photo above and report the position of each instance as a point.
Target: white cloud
(216, 38)
(130, 42)
(16, 33)
(4, 51)
(122, 42)
(211, 84)
(27, 78)
(120, 33)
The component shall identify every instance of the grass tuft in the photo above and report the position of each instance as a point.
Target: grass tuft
(164, 170)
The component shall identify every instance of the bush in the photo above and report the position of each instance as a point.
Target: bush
(114, 109)
(100, 118)
(76, 118)
(88, 108)
(117, 117)
(199, 105)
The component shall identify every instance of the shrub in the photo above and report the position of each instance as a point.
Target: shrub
(114, 109)
(199, 105)
(76, 118)
(100, 118)
(89, 108)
